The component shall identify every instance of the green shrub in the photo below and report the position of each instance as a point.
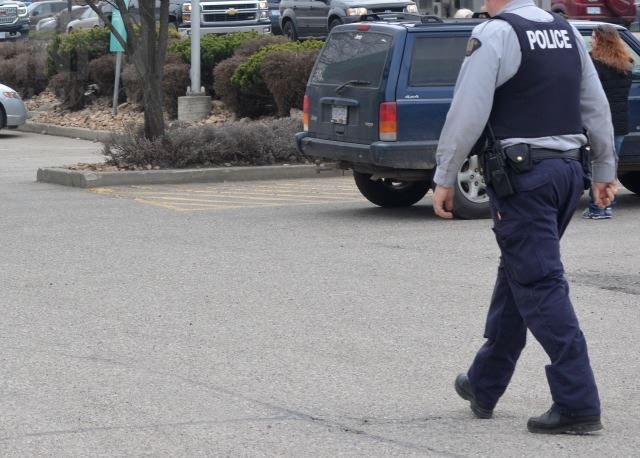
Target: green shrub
(285, 74)
(22, 67)
(69, 89)
(213, 49)
(242, 104)
(72, 52)
(254, 45)
(42, 35)
(239, 143)
(247, 75)
(174, 85)
(102, 72)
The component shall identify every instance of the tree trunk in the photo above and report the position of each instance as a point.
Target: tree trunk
(148, 52)
(153, 108)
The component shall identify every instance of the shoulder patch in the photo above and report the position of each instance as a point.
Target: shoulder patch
(472, 45)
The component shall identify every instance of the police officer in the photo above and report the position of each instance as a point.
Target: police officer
(528, 73)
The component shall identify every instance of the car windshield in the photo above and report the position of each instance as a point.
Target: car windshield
(352, 55)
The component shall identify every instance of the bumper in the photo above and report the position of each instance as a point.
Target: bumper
(13, 30)
(396, 155)
(262, 28)
(16, 112)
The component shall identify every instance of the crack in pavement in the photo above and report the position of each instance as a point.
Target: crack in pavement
(290, 414)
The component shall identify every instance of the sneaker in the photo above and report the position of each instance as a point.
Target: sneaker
(608, 212)
(599, 213)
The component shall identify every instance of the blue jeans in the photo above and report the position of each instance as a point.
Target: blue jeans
(618, 139)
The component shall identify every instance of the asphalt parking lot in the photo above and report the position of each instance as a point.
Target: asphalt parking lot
(265, 322)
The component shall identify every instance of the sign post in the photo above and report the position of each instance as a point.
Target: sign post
(116, 46)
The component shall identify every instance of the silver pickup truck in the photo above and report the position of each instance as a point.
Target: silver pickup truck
(14, 22)
(227, 16)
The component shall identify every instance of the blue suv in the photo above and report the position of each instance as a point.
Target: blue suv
(377, 99)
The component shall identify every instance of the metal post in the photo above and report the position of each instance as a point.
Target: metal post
(195, 47)
(116, 84)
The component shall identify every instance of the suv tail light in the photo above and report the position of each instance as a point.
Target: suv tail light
(388, 122)
(305, 113)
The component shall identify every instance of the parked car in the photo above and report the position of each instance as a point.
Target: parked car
(227, 16)
(377, 99)
(61, 20)
(89, 19)
(14, 23)
(613, 11)
(45, 9)
(315, 18)
(12, 110)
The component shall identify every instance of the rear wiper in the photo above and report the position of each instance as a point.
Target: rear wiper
(352, 83)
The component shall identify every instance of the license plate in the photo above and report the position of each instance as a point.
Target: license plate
(593, 10)
(3, 35)
(339, 114)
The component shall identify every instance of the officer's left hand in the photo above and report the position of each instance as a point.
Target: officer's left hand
(443, 201)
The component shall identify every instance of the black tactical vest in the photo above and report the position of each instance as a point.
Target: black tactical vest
(543, 98)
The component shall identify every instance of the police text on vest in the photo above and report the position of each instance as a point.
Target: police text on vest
(548, 39)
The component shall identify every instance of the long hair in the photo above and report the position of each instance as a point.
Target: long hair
(609, 49)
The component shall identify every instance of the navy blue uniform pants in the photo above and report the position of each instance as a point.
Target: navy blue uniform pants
(531, 291)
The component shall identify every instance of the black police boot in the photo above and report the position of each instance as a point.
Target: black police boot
(463, 388)
(554, 422)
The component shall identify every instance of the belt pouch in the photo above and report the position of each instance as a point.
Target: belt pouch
(519, 157)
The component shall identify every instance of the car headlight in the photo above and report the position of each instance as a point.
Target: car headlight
(22, 11)
(11, 95)
(356, 11)
(411, 9)
(263, 5)
(264, 15)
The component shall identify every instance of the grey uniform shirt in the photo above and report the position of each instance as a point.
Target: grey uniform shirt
(492, 64)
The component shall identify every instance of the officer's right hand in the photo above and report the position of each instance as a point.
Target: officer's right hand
(443, 201)
(604, 193)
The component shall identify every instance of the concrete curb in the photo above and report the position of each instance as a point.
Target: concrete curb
(71, 132)
(91, 179)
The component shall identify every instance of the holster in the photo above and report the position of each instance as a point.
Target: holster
(496, 170)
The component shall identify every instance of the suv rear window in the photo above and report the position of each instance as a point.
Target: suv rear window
(436, 61)
(352, 56)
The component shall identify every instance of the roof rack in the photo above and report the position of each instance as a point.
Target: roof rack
(400, 17)
(430, 19)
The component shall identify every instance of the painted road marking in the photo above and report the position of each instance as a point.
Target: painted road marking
(223, 196)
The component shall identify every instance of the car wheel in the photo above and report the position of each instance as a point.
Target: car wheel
(3, 117)
(471, 200)
(390, 193)
(334, 23)
(289, 30)
(631, 181)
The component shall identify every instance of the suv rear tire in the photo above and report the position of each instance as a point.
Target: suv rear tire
(335, 22)
(471, 200)
(289, 30)
(631, 181)
(390, 193)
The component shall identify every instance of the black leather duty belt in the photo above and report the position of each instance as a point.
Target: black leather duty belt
(538, 154)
